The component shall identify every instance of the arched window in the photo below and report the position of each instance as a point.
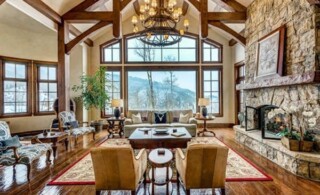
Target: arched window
(111, 52)
(184, 51)
(211, 52)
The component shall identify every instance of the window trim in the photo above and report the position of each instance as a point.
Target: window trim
(188, 35)
(103, 114)
(220, 51)
(107, 44)
(28, 79)
(36, 82)
(159, 68)
(219, 68)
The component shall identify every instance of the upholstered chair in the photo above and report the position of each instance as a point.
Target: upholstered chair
(69, 124)
(202, 166)
(117, 168)
(12, 152)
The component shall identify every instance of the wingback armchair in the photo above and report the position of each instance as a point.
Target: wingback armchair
(69, 124)
(116, 168)
(12, 152)
(202, 166)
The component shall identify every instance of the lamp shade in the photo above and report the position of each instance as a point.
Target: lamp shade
(117, 103)
(203, 102)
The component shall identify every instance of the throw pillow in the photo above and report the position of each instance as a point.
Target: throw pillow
(73, 124)
(12, 141)
(160, 117)
(136, 118)
(184, 118)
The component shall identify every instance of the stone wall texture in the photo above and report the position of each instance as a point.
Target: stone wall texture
(301, 54)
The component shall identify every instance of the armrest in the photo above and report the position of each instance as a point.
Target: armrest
(180, 153)
(192, 121)
(139, 155)
(128, 121)
(15, 153)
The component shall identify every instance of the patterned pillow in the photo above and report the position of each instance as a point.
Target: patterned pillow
(184, 118)
(12, 141)
(160, 117)
(136, 118)
(73, 124)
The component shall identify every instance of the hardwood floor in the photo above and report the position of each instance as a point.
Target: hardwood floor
(13, 181)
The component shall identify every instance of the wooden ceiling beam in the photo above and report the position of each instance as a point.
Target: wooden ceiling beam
(204, 18)
(185, 7)
(234, 5)
(196, 4)
(45, 10)
(227, 29)
(75, 32)
(227, 16)
(83, 35)
(232, 42)
(2, 1)
(116, 19)
(88, 16)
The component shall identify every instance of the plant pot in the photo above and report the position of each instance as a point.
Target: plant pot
(291, 144)
(306, 146)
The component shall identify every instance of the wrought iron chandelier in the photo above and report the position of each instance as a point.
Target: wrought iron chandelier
(159, 20)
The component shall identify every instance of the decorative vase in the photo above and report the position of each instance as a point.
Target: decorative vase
(45, 132)
(116, 112)
(204, 111)
(241, 117)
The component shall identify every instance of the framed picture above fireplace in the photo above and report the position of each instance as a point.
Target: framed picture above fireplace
(270, 54)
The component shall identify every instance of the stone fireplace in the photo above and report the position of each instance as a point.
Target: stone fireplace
(297, 91)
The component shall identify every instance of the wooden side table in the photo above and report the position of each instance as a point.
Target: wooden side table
(205, 126)
(54, 139)
(161, 172)
(113, 126)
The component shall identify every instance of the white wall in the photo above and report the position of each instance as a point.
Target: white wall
(238, 52)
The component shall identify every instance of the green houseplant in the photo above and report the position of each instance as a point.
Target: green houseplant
(92, 92)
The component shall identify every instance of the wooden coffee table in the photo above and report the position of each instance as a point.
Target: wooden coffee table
(54, 139)
(161, 172)
(141, 138)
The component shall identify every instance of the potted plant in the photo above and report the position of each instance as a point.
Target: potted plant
(290, 139)
(93, 93)
(307, 142)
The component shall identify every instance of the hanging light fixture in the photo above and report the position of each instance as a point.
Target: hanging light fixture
(159, 18)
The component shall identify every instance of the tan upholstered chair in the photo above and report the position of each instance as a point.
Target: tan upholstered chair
(203, 166)
(116, 168)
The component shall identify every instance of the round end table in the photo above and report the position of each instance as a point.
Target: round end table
(161, 173)
(205, 126)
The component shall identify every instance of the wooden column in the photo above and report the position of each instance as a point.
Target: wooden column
(63, 67)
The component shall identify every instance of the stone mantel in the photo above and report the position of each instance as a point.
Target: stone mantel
(306, 78)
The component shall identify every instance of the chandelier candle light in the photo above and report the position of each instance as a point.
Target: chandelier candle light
(116, 103)
(159, 19)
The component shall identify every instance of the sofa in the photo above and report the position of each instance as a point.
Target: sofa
(148, 120)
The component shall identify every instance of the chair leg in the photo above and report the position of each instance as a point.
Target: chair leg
(145, 181)
(75, 140)
(178, 181)
(133, 192)
(188, 191)
(48, 156)
(28, 171)
(223, 191)
(94, 135)
(98, 192)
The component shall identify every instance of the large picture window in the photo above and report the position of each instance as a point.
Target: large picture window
(15, 96)
(47, 85)
(111, 52)
(162, 90)
(212, 86)
(211, 52)
(113, 87)
(184, 51)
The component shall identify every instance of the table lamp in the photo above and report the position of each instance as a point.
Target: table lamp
(116, 103)
(203, 102)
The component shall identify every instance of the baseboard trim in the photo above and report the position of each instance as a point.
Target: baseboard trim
(218, 125)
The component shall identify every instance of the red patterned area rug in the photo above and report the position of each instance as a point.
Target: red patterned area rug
(239, 168)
